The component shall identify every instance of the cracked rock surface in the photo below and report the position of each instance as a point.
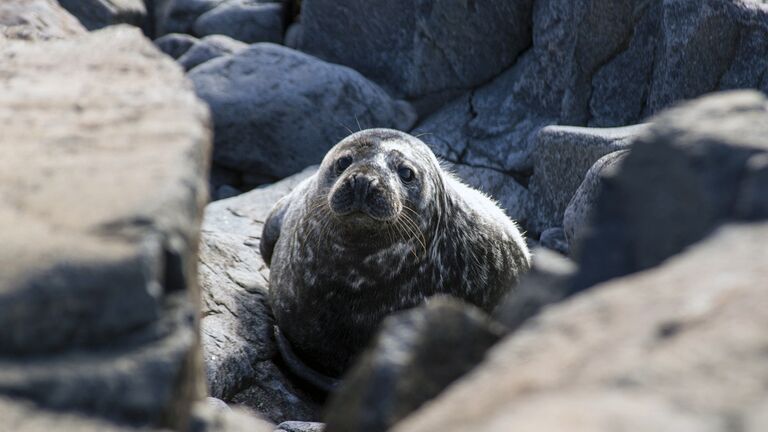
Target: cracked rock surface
(240, 353)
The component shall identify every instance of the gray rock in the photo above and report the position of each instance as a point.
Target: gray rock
(422, 49)
(244, 21)
(635, 354)
(752, 202)
(682, 178)
(294, 426)
(293, 35)
(175, 44)
(547, 282)
(236, 326)
(277, 111)
(179, 16)
(579, 211)
(208, 418)
(37, 20)
(562, 156)
(96, 14)
(226, 191)
(19, 416)
(512, 196)
(554, 238)
(104, 155)
(602, 64)
(416, 355)
(208, 48)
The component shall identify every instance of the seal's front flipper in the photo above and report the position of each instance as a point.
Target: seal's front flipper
(300, 369)
(271, 231)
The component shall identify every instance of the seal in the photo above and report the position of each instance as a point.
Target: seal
(380, 227)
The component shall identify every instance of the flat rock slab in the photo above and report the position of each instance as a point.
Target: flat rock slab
(680, 347)
(104, 156)
(240, 353)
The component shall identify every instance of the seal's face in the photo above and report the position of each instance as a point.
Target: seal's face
(372, 177)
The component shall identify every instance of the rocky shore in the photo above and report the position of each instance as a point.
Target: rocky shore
(144, 142)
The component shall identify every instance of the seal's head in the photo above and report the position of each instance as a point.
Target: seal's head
(371, 177)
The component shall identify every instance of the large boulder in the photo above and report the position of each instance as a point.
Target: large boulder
(429, 49)
(277, 111)
(103, 160)
(240, 353)
(96, 14)
(37, 20)
(682, 178)
(677, 348)
(600, 63)
(416, 354)
(244, 21)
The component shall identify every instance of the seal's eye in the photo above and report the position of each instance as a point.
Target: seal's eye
(343, 163)
(406, 174)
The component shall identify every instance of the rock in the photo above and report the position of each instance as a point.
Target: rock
(437, 49)
(244, 21)
(682, 178)
(416, 355)
(209, 48)
(96, 14)
(293, 426)
(21, 416)
(554, 238)
(561, 158)
(226, 191)
(175, 44)
(37, 20)
(236, 327)
(512, 196)
(752, 201)
(547, 282)
(579, 211)
(293, 35)
(598, 63)
(104, 156)
(209, 418)
(633, 354)
(179, 16)
(277, 111)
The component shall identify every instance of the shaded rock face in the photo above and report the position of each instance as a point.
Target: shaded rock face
(208, 48)
(96, 14)
(243, 21)
(599, 63)
(635, 353)
(104, 181)
(416, 354)
(683, 177)
(37, 20)
(240, 354)
(277, 111)
(175, 44)
(423, 49)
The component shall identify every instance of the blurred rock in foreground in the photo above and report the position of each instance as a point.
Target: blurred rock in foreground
(104, 155)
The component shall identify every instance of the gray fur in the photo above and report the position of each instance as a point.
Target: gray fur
(344, 256)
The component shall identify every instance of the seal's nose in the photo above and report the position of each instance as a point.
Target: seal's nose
(361, 185)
